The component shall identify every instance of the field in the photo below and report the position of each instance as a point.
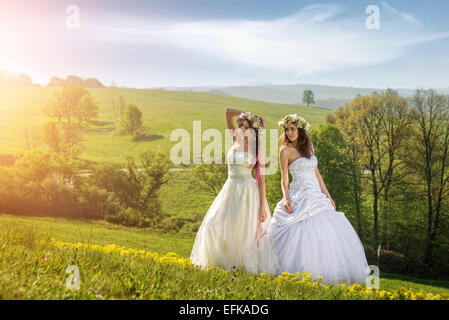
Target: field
(126, 263)
(32, 265)
(163, 111)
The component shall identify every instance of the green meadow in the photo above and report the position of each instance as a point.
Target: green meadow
(163, 111)
(32, 271)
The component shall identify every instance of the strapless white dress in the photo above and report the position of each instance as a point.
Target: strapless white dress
(314, 237)
(229, 234)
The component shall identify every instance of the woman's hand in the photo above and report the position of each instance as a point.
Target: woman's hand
(230, 114)
(288, 205)
(333, 203)
(263, 214)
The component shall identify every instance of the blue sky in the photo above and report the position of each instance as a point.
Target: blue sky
(190, 43)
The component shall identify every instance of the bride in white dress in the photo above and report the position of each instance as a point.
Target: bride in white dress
(234, 232)
(308, 233)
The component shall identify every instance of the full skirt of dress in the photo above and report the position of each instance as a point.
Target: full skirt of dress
(229, 233)
(317, 239)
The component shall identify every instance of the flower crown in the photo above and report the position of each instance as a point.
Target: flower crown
(296, 120)
(256, 121)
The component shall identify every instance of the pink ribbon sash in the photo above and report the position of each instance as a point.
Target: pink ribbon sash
(260, 233)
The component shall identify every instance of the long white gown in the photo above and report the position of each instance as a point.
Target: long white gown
(314, 237)
(229, 234)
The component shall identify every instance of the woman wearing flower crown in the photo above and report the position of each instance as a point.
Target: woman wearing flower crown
(234, 230)
(309, 234)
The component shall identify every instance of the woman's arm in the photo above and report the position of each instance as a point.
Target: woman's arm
(283, 162)
(230, 114)
(323, 186)
(262, 194)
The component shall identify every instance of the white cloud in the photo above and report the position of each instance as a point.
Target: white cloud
(404, 15)
(316, 38)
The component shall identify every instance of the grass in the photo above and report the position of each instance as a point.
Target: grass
(109, 284)
(100, 232)
(178, 198)
(24, 274)
(163, 111)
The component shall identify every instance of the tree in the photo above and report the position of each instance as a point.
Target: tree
(72, 101)
(60, 138)
(430, 113)
(24, 80)
(56, 82)
(118, 106)
(308, 97)
(136, 188)
(209, 177)
(331, 150)
(87, 109)
(331, 118)
(382, 125)
(131, 120)
(92, 83)
(52, 136)
(31, 136)
(354, 151)
(57, 108)
(396, 128)
(73, 96)
(73, 81)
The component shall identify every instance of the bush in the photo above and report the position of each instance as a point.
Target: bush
(171, 223)
(96, 203)
(129, 217)
(134, 188)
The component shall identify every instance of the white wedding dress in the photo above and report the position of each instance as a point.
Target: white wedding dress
(229, 234)
(314, 237)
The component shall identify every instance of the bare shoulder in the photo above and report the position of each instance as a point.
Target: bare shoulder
(285, 152)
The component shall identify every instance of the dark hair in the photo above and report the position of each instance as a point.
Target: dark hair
(303, 144)
(257, 145)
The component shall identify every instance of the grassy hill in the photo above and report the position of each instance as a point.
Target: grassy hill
(331, 97)
(128, 263)
(163, 111)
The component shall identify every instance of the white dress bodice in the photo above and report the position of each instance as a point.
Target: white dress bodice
(304, 178)
(240, 164)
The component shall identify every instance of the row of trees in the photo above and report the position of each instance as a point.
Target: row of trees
(72, 102)
(129, 117)
(75, 81)
(76, 102)
(385, 161)
(8, 80)
(389, 156)
(44, 182)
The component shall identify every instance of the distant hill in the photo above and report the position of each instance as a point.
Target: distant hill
(331, 97)
(75, 80)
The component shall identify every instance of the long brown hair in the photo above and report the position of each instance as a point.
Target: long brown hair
(303, 144)
(256, 165)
